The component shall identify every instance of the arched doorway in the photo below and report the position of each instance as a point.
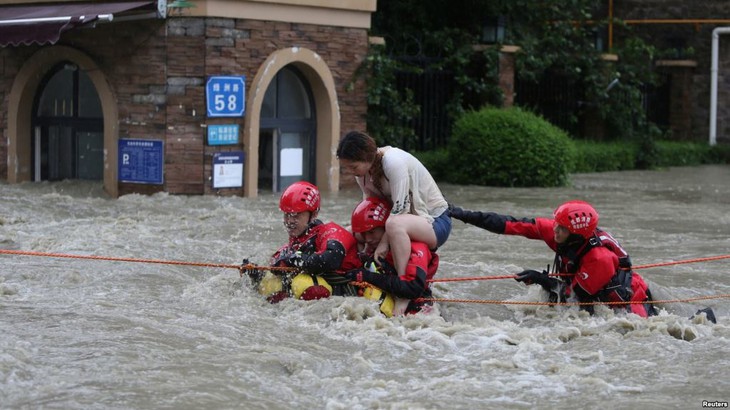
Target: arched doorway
(287, 132)
(67, 127)
(312, 71)
(23, 104)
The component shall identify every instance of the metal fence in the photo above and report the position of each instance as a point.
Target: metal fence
(557, 99)
(432, 90)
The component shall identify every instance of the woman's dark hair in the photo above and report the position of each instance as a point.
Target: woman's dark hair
(357, 146)
(360, 147)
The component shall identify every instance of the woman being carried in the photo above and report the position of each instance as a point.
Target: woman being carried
(419, 211)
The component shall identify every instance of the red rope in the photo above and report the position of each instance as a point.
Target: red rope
(241, 268)
(709, 258)
(158, 261)
(513, 302)
(653, 265)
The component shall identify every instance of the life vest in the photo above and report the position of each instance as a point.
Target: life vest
(310, 287)
(314, 240)
(567, 260)
(618, 289)
(423, 264)
(625, 285)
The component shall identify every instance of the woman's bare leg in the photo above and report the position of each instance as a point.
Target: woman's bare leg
(401, 230)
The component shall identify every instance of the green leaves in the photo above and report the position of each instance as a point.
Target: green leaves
(509, 147)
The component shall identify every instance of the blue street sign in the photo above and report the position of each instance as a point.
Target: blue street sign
(226, 96)
(222, 134)
(140, 161)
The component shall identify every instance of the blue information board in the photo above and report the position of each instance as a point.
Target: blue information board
(225, 96)
(222, 134)
(140, 161)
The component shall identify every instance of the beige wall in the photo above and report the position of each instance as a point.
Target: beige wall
(343, 13)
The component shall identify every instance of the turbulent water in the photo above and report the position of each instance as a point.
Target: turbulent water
(80, 334)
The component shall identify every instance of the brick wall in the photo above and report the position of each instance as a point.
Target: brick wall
(698, 37)
(157, 71)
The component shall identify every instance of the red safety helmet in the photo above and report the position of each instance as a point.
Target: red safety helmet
(370, 213)
(299, 197)
(578, 216)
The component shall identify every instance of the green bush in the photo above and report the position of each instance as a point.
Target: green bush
(594, 156)
(675, 153)
(720, 154)
(509, 147)
(620, 156)
(437, 162)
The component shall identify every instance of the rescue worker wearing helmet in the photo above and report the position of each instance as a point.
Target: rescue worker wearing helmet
(599, 268)
(320, 252)
(401, 291)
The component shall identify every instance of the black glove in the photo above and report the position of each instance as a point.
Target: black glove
(251, 270)
(532, 276)
(357, 275)
(456, 212)
(292, 259)
(295, 260)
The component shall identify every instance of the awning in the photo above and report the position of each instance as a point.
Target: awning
(43, 23)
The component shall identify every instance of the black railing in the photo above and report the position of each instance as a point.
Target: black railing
(555, 98)
(558, 100)
(432, 90)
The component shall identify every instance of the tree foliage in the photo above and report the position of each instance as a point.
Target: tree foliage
(559, 37)
(556, 37)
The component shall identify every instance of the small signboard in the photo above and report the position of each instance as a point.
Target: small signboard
(226, 134)
(225, 96)
(291, 162)
(228, 169)
(140, 161)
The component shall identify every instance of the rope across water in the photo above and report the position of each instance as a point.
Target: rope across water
(243, 267)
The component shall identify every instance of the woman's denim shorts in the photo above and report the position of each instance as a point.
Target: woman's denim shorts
(442, 227)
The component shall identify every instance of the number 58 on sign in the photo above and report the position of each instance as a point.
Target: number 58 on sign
(226, 96)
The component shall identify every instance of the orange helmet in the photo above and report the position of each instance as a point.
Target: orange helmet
(578, 216)
(299, 197)
(370, 213)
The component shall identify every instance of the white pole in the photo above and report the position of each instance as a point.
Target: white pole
(713, 80)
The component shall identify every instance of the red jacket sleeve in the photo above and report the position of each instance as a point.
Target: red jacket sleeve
(538, 228)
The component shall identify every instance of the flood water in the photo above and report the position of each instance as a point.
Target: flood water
(80, 334)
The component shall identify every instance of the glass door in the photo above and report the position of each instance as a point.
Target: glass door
(295, 159)
(286, 137)
(68, 138)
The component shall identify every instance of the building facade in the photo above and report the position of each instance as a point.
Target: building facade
(687, 28)
(141, 99)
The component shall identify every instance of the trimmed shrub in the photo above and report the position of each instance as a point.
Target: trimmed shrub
(594, 156)
(509, 147)
(719, 154)
(621, 156)
(437, 162)
(676, 153)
